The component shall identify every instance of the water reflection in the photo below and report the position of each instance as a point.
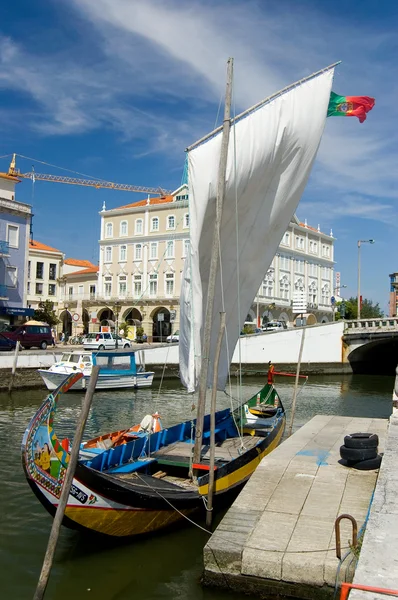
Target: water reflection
(162, 567)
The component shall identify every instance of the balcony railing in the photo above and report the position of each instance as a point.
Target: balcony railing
(128, 297)
(4, 247)
(3, 291)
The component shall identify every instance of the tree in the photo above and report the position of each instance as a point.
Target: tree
(46, 313)
(368, 309)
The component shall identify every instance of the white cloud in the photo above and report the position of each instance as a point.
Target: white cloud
(156, 71)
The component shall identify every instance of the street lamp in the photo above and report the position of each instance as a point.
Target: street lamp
(359, 274)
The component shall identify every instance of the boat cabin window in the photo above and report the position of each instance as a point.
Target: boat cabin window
(114, 363)
(74, 358)
(65, 357)
(86, 359)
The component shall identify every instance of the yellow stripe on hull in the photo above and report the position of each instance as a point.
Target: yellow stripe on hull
(121, 523)
(240, 475)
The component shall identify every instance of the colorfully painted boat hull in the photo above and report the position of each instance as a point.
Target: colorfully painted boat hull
(116, 493)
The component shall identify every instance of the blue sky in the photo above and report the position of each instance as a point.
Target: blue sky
(118, 88)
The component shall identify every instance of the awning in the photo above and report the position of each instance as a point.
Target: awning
(15, 310)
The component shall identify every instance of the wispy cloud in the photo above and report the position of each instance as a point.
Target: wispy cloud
(155, 73)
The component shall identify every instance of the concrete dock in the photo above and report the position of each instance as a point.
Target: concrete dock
(278, 537)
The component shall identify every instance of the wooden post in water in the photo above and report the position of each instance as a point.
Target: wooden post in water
(209, 514)
(70, 472)
(296, 382)
(14, 366)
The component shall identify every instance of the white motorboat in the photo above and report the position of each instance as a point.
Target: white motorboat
(118, 370)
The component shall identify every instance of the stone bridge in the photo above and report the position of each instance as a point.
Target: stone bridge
(371, 345)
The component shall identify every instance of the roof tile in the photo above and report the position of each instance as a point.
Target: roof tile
(35, 245)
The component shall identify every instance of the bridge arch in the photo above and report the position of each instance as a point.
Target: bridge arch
(375, 357)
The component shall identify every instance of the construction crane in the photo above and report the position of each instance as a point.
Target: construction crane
(96, 183)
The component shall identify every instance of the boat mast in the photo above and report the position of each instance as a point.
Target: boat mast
(215, 252)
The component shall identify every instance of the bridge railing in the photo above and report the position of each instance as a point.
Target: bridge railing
(371, 325)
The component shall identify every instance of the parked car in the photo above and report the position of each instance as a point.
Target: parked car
(104, 341)
(174, 337)
(274, 326)
(29, 335)
(6, 344)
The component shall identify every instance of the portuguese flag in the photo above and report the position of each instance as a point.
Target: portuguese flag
(350, 106)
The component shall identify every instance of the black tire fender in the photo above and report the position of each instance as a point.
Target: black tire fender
(357, 454)
(361, 440)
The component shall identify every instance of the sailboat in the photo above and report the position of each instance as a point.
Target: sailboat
(253, 177)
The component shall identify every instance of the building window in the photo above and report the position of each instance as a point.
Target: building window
(109, 230)
(39, 270)
(171, 222)
(313, 269)
(268, 287)
(284, 262)
(13, 236)
(299, 285)
(70, 292)
(169, 284)
(313, 247)
(325, 273)
(28, 287)
(299, 242)
(170, 249)
(108, 287)
(137, 251)
(12, 277)
(312, 293)
(29, 266)
(153, 284)
(284, 288)
(299, 266)
(326, 250)
(186, 248)
(122, 285)
(153, 250)
(286, 239)
(137, 285)
(123, 253)
(182, 197)
(155, 224)
(92, 292)
(52, 272)
(39, 289)
(326, 294)
(51, 289)
(186, 220)
(108, 254)
(138, 226)
(123, 228)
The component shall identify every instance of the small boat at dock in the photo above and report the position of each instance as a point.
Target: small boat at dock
(118, 370)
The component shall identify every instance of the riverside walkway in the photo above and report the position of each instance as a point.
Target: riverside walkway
(278, 537)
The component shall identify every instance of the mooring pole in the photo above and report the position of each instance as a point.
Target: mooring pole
(296, 382)
(14, 367)
(70, 472)
(209, 514)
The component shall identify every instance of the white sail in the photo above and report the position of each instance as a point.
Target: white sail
(275, 149)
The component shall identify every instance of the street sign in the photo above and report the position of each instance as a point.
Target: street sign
(161, 317)
(173, 314)
(75, 317)
(333, 300)
(299, 304)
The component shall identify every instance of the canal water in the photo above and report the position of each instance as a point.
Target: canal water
(161, 567)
